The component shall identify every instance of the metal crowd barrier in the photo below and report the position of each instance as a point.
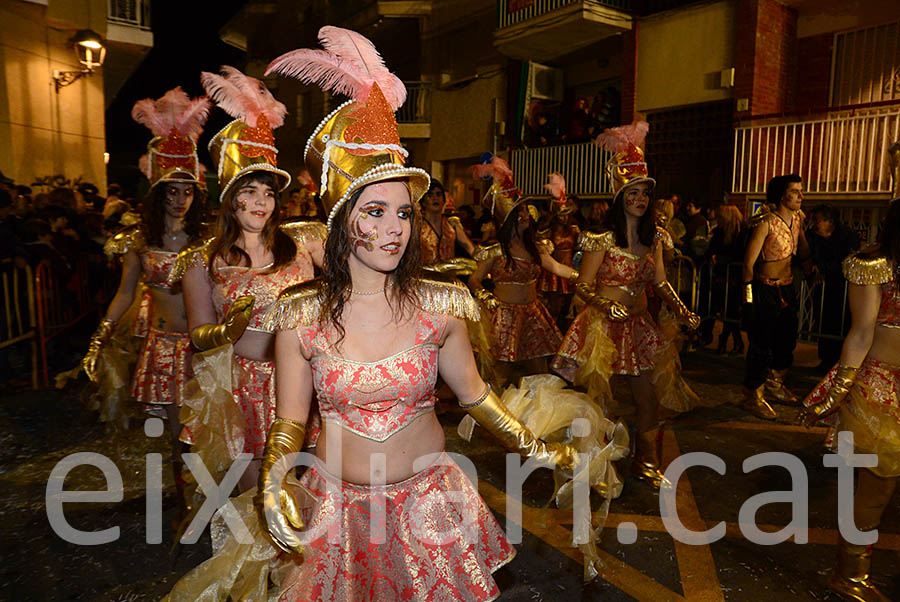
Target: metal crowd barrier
(18, 318)
(716, 294)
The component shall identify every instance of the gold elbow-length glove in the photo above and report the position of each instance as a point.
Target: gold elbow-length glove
(491, 413)
(841, 383)
(613, 309)
(98, 340)
(278, 510)
(670, 297)
(487, 298)
(210, 336)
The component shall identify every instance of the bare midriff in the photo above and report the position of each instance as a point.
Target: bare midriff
(517, 293)
(635, 303)
(168, 314)
(421, 438)
(886, 345)
(256, 345)
(774, 272)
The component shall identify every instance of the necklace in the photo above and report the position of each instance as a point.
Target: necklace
(365, 293)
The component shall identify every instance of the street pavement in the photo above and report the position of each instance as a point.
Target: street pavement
(38, 429)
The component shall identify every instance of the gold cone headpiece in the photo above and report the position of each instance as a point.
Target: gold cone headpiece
(627, 165)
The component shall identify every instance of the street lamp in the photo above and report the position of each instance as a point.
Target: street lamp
(91, 52)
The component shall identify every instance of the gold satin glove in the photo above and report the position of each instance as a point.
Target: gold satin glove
(99, 339)
(486, 298)
(614, 310)
(670, 297)
(574, 275)
(840, 386)
(495, 417)
(278, 510)
(210, 336)
(748, 293)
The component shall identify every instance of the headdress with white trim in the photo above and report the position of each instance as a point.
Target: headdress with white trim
(503, 196)
(358, 143)
(560, 204)
(627, 166)
(247, 144)
(176, 122)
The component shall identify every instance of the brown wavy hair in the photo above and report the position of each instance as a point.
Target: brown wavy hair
(153, 214)
(336, 274)
(615, 221)
(508, 232)
(227, 230)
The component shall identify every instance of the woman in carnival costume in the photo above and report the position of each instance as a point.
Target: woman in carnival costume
(563, 233)
(369, 339)
(231, 277)
(523, 333)
(614, 333)
(440, 234)
(862, 395)
(172, 218)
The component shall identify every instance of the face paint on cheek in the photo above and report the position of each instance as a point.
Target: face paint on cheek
(360, 237)
(240, 204)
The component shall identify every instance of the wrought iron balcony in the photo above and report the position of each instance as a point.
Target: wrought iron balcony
(583, 165)
(134, 13)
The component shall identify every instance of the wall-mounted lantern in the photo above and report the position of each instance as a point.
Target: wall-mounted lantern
(90, 50)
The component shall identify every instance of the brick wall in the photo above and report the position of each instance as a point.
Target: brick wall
(813, 71)
(766, 62)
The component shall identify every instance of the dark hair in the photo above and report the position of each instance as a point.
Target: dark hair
(778, 185)
(153, 214)
(227, 230)
(509, 231)
(889, 237)
(615, 221)
(336, 272)
(113, 190)
(63, 197)
(52, 212)
(435, 183)
(826, 211)
(36, 227)
(5, 198)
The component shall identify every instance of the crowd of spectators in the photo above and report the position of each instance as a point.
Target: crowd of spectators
(57, 226)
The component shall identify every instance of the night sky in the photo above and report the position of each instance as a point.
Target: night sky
(186, 42)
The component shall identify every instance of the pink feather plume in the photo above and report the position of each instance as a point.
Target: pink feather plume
(556, 186)
(144, 165)
(174, 110)
(243, 97)
(620, 139)
(498, 169)
(348, 65)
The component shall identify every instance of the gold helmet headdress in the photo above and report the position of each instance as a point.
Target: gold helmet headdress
(627, 166)
(560, 203)
(503, 196)
(358, 143)
(176, 122)
(247, 144)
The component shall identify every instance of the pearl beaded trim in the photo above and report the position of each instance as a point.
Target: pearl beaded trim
(373, 175)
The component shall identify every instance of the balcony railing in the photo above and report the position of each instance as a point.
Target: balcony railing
(417, 108)
(133, 13)
(842, 153)
(513, 12)
(583, 165)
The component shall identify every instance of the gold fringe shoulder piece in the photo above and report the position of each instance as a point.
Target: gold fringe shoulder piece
(862, 268)
(128, 239)
(303, 231)
(488, 253)
(443, 294)
(454, 221)
(544, 246)
(196, 253)
(593, 242)
(760, 218)
(297, 305)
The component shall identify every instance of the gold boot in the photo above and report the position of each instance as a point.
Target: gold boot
(850, 579)
(776, 391)
(755, 403)
(645, 464)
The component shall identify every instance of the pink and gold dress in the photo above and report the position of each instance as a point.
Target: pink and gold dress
(438, 540)
(872, 408)
(164, 362)
(519, 331)
(595, 347)
(252, 381)
(564, 240)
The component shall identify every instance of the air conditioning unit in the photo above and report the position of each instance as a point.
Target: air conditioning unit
(545, 83)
